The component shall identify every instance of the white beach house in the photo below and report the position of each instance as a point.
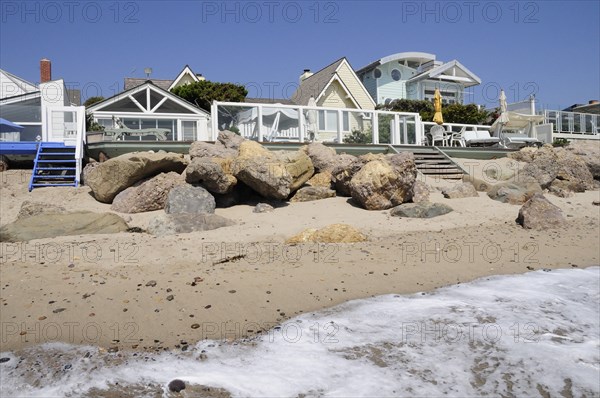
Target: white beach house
(416, 75)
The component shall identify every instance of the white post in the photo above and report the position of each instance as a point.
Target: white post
(340, 134)
(532, 104)
(260, 123)
(300, 125)
(418, 130)
(214, 120)
(396, 132)
(375, 127)
(405, 133)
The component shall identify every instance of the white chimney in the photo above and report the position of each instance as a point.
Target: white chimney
(307, 73)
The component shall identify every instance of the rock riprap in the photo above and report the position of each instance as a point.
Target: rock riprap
(109, 178)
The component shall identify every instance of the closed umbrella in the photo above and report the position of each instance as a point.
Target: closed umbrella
(503, 109)
(6, 126)
(503, 119)
(311, 118)
(437, 105)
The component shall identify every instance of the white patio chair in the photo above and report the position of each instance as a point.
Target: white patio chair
(438, 133)
(459, 138)
(595, 129)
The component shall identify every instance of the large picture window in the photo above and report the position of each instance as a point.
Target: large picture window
(328, 121)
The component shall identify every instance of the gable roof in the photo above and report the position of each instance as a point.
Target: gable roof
(132, 82)
(149, 84)
(469, 78)
(313, 85)
(17, 85)
(186, 71)
(316, 84)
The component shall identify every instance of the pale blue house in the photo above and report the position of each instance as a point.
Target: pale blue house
(416, 75)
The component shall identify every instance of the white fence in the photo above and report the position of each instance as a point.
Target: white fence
(573, 122)
(277, 122)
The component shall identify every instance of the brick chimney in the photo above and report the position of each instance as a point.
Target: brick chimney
(45, 70)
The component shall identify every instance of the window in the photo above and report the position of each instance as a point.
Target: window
(328, 121)
(396, 75)
(448, 97)
(189, 130)
(377, 73)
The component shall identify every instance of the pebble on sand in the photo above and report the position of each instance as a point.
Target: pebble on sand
(176, 385)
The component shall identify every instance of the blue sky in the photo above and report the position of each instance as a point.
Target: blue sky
(548, 48)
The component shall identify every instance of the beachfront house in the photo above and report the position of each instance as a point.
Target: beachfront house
(31, 106)
(335, 86)
(149, 107)
(416, 75)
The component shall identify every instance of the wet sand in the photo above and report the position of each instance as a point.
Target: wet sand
(133, 291)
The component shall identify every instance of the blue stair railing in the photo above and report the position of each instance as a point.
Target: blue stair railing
(55, 165)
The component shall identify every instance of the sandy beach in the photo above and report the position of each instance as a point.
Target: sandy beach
(134, 291)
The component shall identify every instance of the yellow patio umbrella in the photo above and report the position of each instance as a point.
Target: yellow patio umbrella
(437, 105)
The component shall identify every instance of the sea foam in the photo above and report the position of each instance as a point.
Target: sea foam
(523, 335)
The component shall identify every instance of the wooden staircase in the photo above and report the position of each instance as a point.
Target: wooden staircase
(55, 165)
(432, 162)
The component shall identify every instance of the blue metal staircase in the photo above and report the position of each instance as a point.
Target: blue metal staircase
(55, 165)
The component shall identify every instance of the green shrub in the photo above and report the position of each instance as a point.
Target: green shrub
(358, 137)
(560, 142)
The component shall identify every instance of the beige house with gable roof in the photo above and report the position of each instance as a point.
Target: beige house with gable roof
(335, 86)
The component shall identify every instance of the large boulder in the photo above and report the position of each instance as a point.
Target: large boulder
(298, 165)
(189, 199)
(109, 178)
(262, 171)
(213, 173)
(307, 194)
(230, 140)
(381, 184)
(462, 190)
(342, 175)
(169, 224)
(420, 210)
(550, 163)
(539, 213)
(201, 149)
(335, 233)
(321, 156)
(147, 195)
(325, 158)
(589, 151)
(52, 225)
(515, 193)
(323, 179)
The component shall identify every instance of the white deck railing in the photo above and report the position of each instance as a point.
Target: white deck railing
(277, 122)
(573, 122)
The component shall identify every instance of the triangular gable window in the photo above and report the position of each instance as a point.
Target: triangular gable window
(170, 106)
(123, 105)
(141, 98)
